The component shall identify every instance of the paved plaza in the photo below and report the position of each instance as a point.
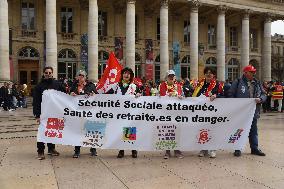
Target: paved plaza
(19, 167)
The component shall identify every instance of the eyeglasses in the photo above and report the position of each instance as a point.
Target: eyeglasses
(81, 75)
(48, 73)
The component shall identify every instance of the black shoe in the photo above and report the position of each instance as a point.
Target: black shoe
(41, 156)
(120, 154)
(237, 153)
(53, 152)
(76, 155)
(93, 152)
(257, 152)
(134, 153)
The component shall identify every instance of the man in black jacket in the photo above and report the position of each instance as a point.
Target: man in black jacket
(47, 82)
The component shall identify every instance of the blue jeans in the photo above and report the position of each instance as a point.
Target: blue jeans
(253, 136)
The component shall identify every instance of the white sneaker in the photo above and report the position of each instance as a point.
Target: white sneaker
(212, 153)
(202, 153)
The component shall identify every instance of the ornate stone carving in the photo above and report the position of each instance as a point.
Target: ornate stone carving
(268, 17)
(194, 4)
(131, 1)
(247, 13)
(165, 4)
(222, 9)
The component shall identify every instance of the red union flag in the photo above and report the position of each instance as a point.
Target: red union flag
(111, 74)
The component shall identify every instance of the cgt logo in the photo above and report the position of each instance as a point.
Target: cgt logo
(54, 127)
(203, 136)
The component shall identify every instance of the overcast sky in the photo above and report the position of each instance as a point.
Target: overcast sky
(277, 27)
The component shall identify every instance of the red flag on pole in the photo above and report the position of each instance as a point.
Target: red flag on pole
(111, 74)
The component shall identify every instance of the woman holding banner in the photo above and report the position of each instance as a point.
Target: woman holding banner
(173, 89)
(83, 87)
(208, 87)
(125, 87)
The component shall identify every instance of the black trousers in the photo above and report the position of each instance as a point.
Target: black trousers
(41, 147)
(77, 149)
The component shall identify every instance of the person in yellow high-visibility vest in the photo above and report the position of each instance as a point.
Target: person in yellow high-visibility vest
(277, 94)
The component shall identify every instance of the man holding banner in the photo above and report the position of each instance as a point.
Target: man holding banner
(249, 87)
(47, 82)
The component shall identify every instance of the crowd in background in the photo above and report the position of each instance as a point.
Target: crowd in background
(273, 90)
(13, 96)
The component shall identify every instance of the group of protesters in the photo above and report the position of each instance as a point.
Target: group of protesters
(245, 87)
(274, 92)
(13, 96)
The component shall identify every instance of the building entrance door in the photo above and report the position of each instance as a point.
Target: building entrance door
(67, 70)
(28, 73)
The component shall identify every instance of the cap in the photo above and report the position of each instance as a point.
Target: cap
(249, 68)
(171, 72)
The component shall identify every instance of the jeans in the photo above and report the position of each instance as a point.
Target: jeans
(41, 146)
(15, 102)
(253, 136)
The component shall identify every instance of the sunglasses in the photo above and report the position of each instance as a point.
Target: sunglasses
(81, 75)
(48, 73)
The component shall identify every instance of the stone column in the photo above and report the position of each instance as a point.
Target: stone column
(221, 43)
(51, 36)
(93, 41)
(245, 41)
(266, 64)
(4, 42)
(194, 41)
(164, 39)
(130, 34)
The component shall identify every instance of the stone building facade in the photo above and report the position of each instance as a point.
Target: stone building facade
(277, 57)
(150, 36)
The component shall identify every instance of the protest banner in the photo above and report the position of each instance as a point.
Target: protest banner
(145, 123)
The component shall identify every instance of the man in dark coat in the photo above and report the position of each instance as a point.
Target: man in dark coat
(249, 87)
(47, 82)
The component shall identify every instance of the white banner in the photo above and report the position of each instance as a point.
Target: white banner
(145, 123)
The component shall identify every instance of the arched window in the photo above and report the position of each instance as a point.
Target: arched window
(66, 53)
(233, 70)
(211, 62)
(103, 57)
(138, 66)
(157, 68)
(67, 64)
(185, 67)
(28, 53)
